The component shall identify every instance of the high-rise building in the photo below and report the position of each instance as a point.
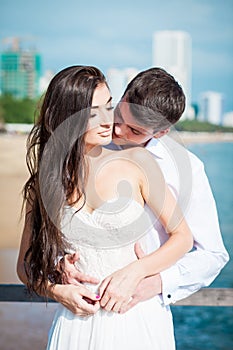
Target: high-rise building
(172, 50)
(211, 107)
(118, 80)
(20, 72)
(228, 119)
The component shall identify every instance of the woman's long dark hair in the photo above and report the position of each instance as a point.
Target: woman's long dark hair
(55, 159)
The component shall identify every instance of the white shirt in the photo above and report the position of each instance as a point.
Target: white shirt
(185, 175)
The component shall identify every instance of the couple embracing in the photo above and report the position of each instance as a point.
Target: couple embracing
(120, 219)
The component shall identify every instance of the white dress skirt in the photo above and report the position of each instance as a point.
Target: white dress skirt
(105, 241)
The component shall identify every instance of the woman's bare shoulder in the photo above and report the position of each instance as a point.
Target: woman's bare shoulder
(138, 153)
(124, 159)
(131, 157)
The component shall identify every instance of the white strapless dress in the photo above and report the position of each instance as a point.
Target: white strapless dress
(105, 240)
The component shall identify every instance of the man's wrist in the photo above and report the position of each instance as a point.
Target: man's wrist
(170, 281)
(157, 283)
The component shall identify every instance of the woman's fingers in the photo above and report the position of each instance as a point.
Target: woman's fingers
(70, 273)
(74, 257)
(88, 302)
(84, 292)
(83, 278)
(85, 308)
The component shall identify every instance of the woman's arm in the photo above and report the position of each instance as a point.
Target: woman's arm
(159, 198)
(73, 297)
(117, 289)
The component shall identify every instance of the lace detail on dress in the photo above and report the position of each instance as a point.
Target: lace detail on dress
(105, 239)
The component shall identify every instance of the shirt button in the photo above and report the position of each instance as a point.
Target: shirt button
(169, 296)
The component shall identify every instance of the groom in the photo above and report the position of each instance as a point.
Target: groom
(152, 102)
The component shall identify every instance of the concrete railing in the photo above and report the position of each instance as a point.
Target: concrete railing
(204, 297)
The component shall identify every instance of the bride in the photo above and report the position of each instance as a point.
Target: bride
(82, 196)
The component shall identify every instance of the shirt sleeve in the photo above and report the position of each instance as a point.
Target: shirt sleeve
(201, 266)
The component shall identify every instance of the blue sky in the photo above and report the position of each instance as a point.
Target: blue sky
(119, 34)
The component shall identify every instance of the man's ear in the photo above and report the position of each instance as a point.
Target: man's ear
(161, 133)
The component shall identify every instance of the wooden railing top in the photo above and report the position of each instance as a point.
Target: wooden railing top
(204, 297)
(209, 297)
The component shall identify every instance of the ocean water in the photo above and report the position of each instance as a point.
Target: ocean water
(211, 328)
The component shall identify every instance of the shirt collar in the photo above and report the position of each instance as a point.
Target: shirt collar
(155, 147)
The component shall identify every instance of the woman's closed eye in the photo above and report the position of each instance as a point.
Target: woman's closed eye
(94, 114)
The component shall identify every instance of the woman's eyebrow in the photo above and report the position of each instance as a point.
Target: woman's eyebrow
(109, 100)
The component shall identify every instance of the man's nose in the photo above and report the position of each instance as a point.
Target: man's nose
(120, 129)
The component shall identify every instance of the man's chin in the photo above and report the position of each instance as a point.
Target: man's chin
(122, 142)
(118, 140)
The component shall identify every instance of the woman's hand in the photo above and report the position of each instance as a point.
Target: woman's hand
(117, 289)
(70, 274)
(76, 298)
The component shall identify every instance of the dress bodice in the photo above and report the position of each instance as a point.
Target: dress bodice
(105, 238)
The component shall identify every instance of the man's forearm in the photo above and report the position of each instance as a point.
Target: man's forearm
(195, 270)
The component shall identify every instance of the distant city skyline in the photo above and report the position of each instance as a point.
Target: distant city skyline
(172, 50)
(211, 108)
(20, 73)
(120, 35)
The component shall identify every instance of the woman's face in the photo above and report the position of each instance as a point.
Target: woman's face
(100, 124)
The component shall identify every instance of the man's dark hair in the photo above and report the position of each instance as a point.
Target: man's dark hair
(156, 99)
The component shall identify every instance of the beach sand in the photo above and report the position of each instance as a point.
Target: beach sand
(23, 325)
(186, 138)
(13, 174)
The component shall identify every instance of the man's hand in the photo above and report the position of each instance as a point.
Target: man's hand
(147, 288)
(70, 274)
(116, 289)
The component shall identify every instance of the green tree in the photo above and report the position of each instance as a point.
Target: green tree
(196, 109)
(16, 110)
(196, 126)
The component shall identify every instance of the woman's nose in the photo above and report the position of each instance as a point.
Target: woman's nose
(106, 117)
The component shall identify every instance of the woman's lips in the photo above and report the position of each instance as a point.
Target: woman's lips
(106, 133)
